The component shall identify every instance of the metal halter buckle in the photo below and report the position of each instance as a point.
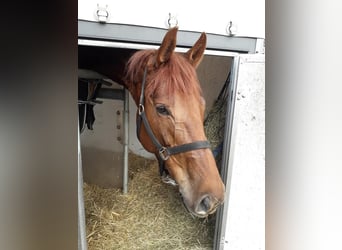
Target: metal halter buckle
(164, 153)
(141, 109)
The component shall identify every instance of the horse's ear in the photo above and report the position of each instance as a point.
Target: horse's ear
(167, 47)
(195, 54)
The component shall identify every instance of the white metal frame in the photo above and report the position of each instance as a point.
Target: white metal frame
(222, 213)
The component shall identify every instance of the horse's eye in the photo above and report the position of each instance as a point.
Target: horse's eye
(162, 110)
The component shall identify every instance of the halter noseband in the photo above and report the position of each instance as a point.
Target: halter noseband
(164, 153)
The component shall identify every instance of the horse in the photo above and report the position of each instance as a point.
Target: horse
(170, 115)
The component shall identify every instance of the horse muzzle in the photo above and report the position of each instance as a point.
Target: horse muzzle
(204, 206)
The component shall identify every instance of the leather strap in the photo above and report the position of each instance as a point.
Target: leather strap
(188, 147)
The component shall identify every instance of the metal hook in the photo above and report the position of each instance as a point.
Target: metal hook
(231, 29)
(102, 13)
(172, 18)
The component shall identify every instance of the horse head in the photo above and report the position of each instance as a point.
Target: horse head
(166, 89)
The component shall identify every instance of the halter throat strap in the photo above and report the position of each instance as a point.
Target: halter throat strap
(164, 153)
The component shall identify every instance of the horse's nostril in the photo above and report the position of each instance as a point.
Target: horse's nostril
(204, 206)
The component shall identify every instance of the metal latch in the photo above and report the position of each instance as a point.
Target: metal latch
(102, 14)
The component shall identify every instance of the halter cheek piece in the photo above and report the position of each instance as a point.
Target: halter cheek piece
(164, 153)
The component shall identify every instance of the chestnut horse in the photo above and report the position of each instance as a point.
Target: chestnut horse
(170, 116)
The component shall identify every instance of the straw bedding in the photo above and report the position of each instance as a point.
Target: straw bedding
(150, 216)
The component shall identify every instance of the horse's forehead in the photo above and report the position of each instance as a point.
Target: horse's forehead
(187, 108)
(178, 99)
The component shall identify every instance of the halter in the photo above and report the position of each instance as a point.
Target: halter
(164, 153)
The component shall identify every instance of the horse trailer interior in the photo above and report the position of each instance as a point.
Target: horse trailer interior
(104, 149)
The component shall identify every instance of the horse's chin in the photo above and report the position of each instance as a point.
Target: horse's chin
(166, 178)
(193, 214)
(170, 181)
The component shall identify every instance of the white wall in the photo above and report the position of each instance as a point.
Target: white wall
(248, 16)
(245, 225)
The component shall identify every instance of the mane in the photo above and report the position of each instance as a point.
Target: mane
(176, 75)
